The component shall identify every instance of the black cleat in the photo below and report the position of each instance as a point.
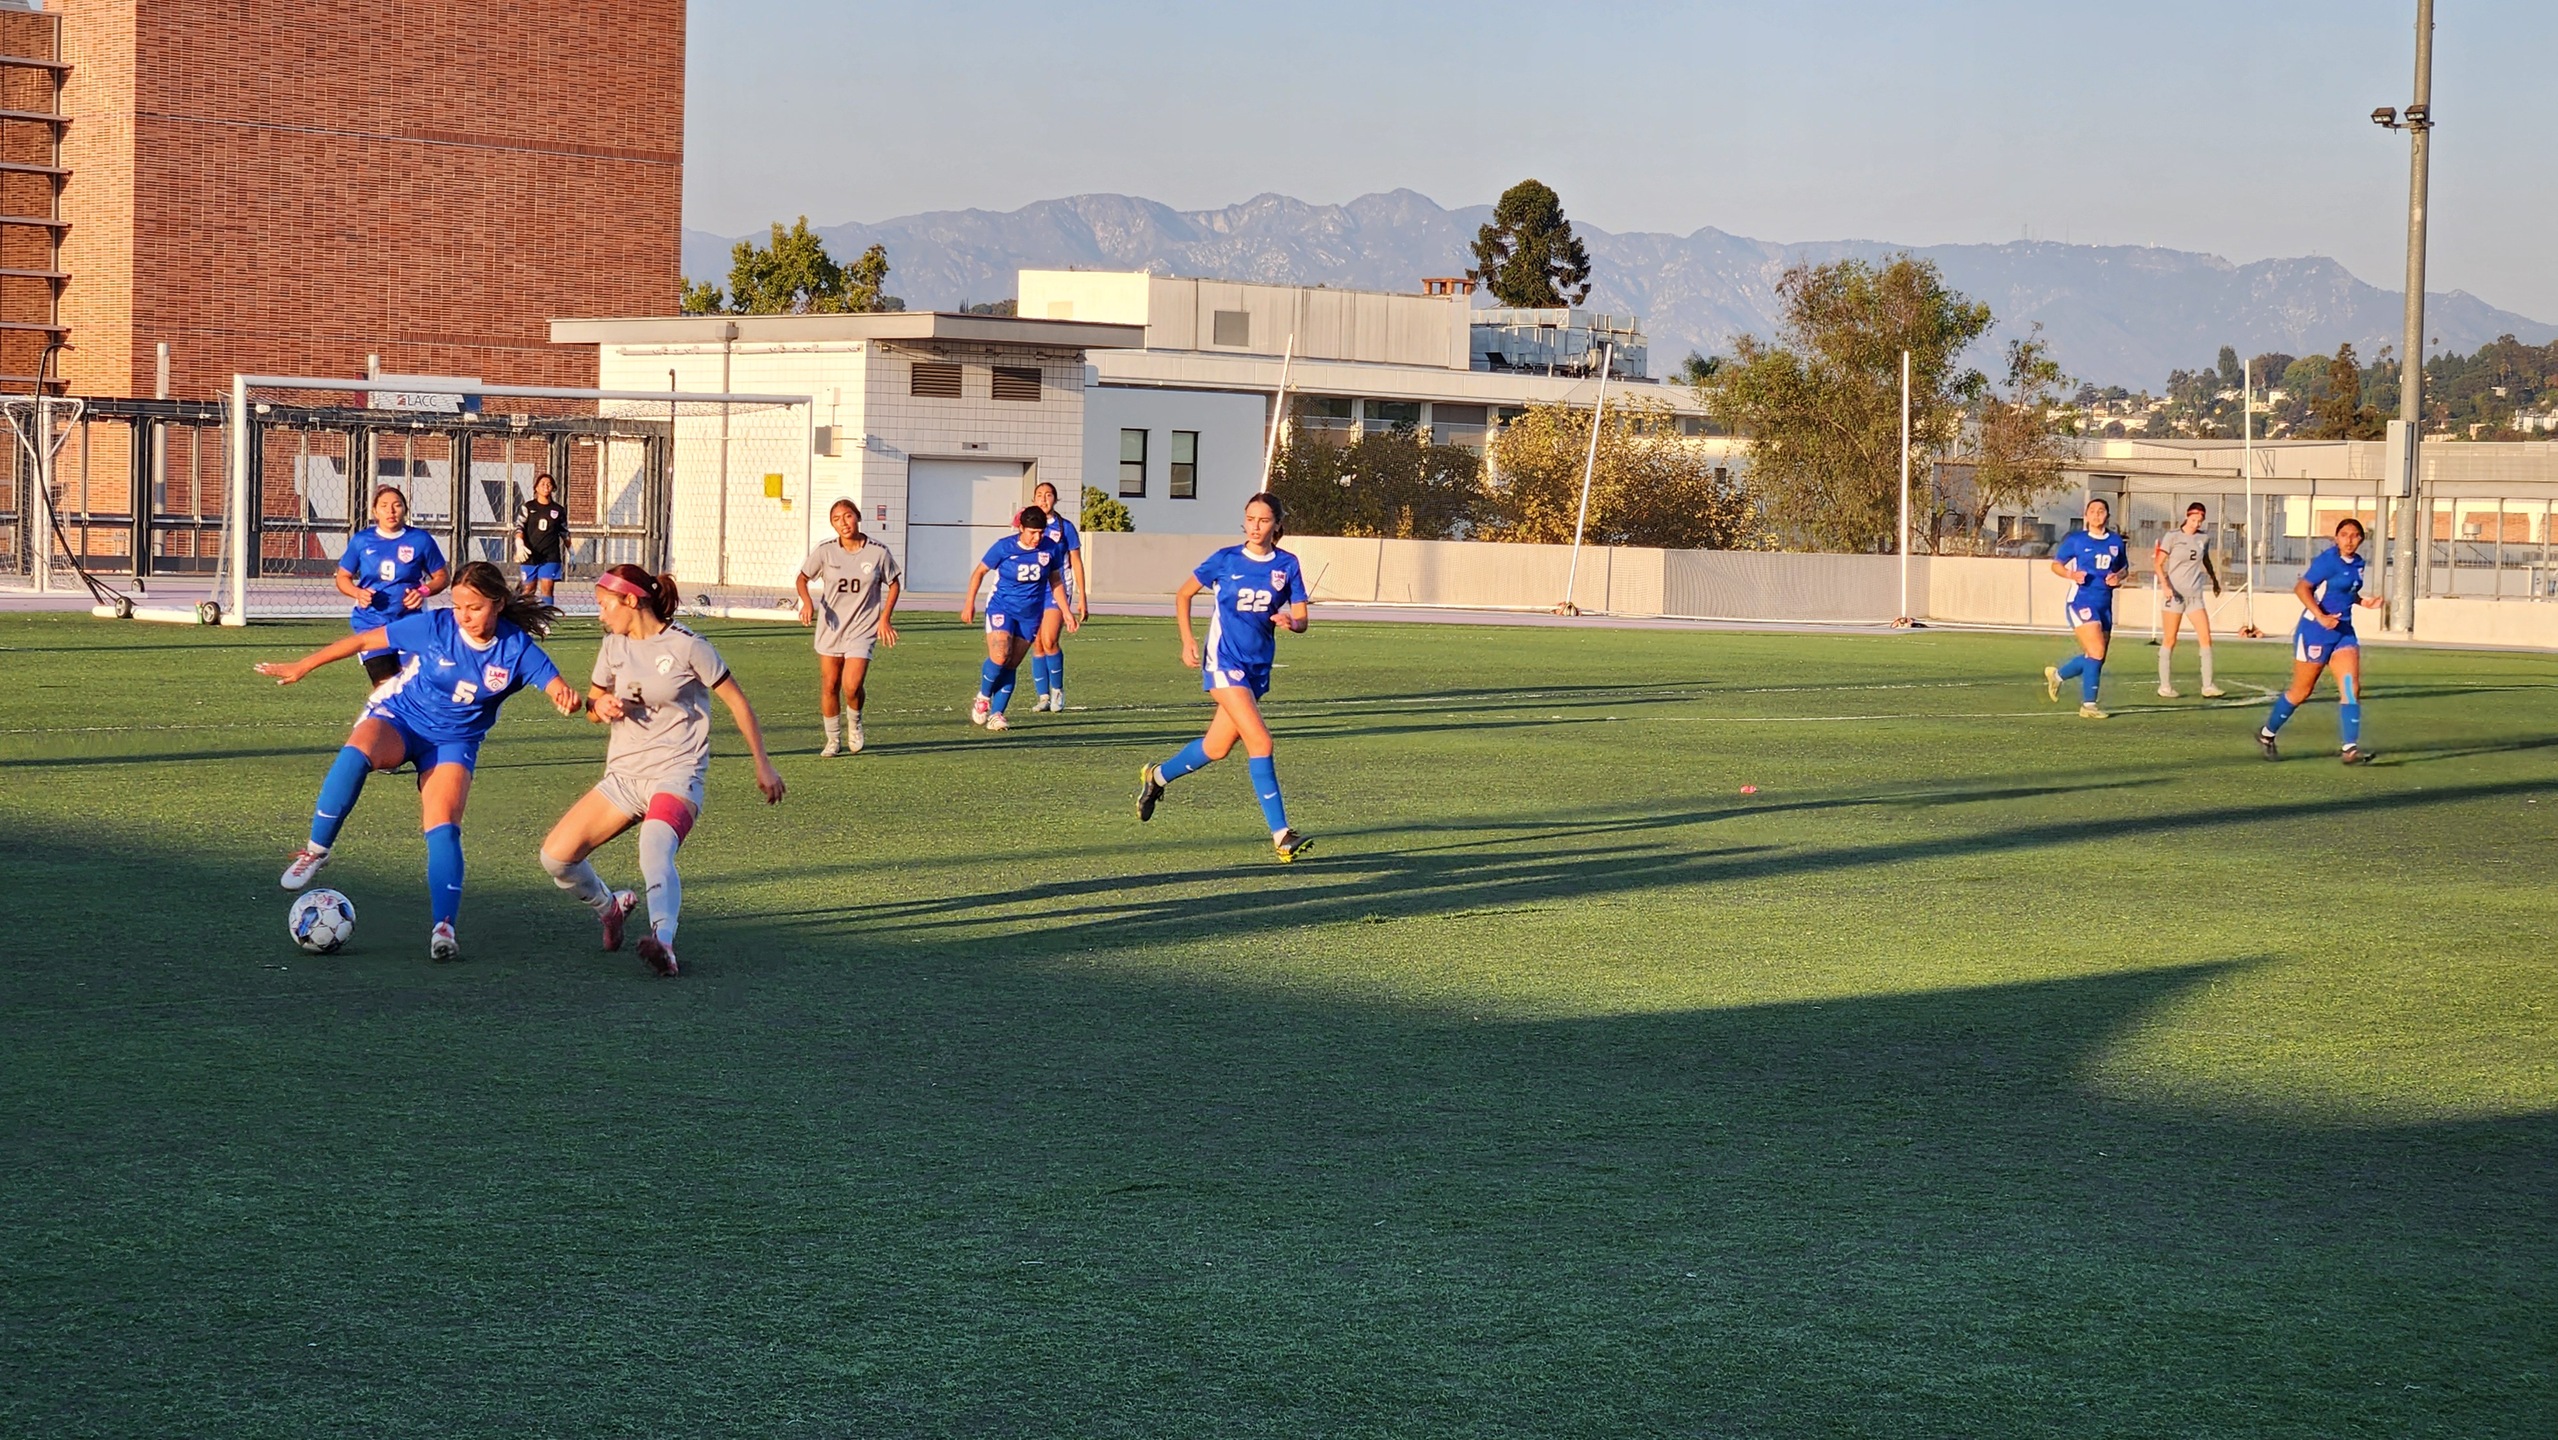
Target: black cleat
(2353, 755)
(1289, 845)
(1149, 790)
(2265, 742)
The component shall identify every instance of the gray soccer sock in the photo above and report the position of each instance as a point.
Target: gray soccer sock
(657, 842)
(2207, 665)
(579, 879)
(2166, 657)
(834, 726)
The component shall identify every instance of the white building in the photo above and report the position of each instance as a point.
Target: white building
(1175, 426)
(937, 425)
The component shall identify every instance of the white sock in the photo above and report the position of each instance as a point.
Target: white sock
(857, 719)
(579, 879)
(657, 844)
(2207, 665)
(834, 726)
(2166, 664)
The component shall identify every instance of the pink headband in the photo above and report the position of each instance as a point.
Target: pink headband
(619, 586)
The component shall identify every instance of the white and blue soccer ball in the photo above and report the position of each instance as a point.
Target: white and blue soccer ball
(321, 921)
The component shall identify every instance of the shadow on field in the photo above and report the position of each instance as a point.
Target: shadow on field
(922, 1188)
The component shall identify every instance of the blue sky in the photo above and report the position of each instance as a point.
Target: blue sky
(2235, 127)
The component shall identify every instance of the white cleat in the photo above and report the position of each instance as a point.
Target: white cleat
(831, 749)
(996, 721)
(443, 945)
(2213, 692)
(853, 738)
(306, 862)
(978, 712)
(1057, 702)
(2170, 692)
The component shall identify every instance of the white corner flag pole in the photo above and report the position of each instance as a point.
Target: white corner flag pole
(2247, 458)
(1589, 469)
(1904, 619)
(1278, 412)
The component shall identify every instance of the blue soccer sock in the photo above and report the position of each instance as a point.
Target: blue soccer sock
(1193, 756)
(444, 872)
(1005, 679)
(2284, 705)
(988, 673)
(2069, 668)
(2349, 715)
(338, 795)
(2090, 672)
(1057, 672)
(1265, 784)
(1039, 673)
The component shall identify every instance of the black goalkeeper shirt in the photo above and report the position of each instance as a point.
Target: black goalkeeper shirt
(543, 529)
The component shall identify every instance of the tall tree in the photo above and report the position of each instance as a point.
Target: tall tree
(1395, 484)
(2022, 443)
(2338, 412)
(1821, 403)
(793, 275)
(1651, 487)
(1528, 256)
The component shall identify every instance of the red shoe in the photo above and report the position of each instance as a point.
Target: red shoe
(621, 905)
(659, 955)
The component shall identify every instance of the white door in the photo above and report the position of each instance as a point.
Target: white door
(954, 510)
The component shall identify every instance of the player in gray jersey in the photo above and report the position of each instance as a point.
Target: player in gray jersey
(2184, 560)
(854, 606)
(653, 684)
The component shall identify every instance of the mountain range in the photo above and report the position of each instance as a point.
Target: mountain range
(2114, 314)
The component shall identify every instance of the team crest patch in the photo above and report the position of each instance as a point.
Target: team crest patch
(665, 664)
(1278, 579)
(407, 553)
(494, 677)
(2316, 651)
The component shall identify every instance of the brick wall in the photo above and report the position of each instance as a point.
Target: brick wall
(298, 186)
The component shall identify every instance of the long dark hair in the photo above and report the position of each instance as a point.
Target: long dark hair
(1278, 513)
(523, 609)
(662, 597)
(2359, 532)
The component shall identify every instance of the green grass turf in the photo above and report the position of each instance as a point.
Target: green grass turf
(1986, 1072)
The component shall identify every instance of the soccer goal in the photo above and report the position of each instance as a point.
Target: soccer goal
(713, 487)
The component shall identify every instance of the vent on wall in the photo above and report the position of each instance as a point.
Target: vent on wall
(1017, 382)
(935, 380)
(1230, 327)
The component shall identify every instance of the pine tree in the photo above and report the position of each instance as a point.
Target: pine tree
(1528, 256)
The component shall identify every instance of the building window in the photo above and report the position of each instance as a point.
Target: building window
(1132, 462)
(1183, 482)
(933, 379)
(1325, 415)
(1385, 415)
(1017, 382)
(1231, 327)
(1459, 425)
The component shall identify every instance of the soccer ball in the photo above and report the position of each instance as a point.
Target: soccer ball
(321, 921)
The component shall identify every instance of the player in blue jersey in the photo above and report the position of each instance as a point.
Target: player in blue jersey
(2324, 639)
(1048, 653)
(1026, 568)
(2092, 561)
(458, 666)
(1256, 587)
(389, 571)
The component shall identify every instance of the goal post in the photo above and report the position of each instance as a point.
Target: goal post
(715, 487)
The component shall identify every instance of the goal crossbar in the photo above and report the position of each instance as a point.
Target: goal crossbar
(241, 537)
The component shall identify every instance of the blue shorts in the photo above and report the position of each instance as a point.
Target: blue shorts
(2089, 615)
(2317, 645)
(551, 570)
(425, 754)
(1014, 622)
(1255, 678)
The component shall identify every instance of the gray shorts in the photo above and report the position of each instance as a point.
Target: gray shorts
(2177, 602)
(857, 647)
(630, 793)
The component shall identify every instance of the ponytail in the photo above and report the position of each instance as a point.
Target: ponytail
(525, 610)
(657, 592)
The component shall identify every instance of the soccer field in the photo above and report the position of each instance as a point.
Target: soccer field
(1986, 1072)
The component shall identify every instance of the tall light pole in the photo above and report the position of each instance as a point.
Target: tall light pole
(2418, 122)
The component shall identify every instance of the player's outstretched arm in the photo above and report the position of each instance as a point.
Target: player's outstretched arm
(767, 779)
(563, 696)
(977, 574)
(1181, 598)
(288, 671)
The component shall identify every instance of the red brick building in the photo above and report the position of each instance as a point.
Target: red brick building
(289, 188)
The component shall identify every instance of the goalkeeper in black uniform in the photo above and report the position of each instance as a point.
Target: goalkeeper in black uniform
(542, 528)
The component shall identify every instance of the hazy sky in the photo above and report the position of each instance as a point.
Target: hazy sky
(2237, 127)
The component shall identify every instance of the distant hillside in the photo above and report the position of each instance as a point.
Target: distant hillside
(2116, 315)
